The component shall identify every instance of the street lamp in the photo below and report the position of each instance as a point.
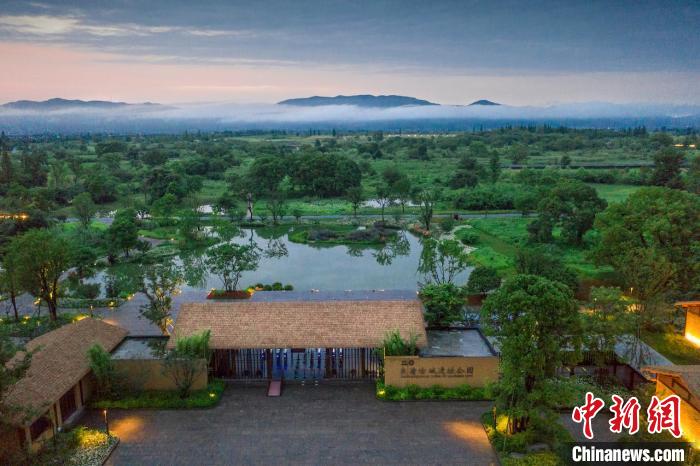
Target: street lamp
(104, 412)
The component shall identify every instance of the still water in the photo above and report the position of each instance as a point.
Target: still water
(325, 268)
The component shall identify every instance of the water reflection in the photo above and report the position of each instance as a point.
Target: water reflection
(324, 267)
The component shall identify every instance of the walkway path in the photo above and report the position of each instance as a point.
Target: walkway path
(325, 424)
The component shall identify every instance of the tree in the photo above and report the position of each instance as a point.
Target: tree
(6, 170)
(403, 191)
(190, 224)
(230, 260)
(605, 322)
(356, 197)
(84, 208)
(384, 197)
(692, 179)
(519, 153)
(277, 205)
(652, 224)
(667, 168)
(41, 258)
(123, 233)
(494, 166)
(426, 200)
(482, 280)
(540, 261)
(442, 260)
(160, 282)
(187, 361)
(110, 382)
(572, 205)
(538, 329)
(443, 304)
(10, 280)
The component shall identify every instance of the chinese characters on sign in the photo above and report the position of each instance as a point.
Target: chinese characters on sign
(661, 415)
(408, 370)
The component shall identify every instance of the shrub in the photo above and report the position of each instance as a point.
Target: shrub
(483, 279)
(167, 399)
(443, 304)
(184, 363)
(110, 383)
(395, 345)
(436, 392)
(466, 236)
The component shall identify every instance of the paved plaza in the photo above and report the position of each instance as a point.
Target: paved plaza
(325, 424)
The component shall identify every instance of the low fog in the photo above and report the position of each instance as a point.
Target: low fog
(228, 116)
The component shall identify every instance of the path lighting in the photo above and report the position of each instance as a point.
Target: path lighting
(212, 395)
(104, 412)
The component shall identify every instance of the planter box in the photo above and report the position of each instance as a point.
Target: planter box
(238, 294)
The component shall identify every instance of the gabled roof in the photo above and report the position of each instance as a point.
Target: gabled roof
(301, 324)
(689, 374)
(59, 362)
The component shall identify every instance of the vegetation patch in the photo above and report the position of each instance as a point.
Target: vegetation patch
(277, 286)
(233, 294)
(167, 399)
(512, 449)
(436, 392)
(343, 234)
(79, 447)
(672, 345)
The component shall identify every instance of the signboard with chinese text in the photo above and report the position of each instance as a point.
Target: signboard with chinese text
(400, 371)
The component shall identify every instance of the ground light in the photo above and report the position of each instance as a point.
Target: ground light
(104, 412)
(692, 338)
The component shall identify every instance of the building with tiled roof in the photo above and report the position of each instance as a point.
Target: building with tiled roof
(57, 384)
(683, 381)
(300, 339)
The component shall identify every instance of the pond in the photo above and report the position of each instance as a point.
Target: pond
(311, 267)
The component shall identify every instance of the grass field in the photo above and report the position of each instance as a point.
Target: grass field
(500, 239)
(614, 192)
(674, 346)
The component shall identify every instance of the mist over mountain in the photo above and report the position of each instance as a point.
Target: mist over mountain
(365, 100)
(116, 117)
(64, 104)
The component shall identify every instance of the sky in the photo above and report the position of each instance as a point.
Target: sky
(450, 52)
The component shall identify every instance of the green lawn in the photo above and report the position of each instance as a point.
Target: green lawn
(674, 346)
(615, 192)
(500, 239)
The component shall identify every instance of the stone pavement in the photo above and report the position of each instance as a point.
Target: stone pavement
(325, 424)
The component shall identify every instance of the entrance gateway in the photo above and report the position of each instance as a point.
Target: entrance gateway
(299, 340)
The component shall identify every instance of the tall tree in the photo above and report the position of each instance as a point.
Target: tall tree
(6, 172)
(160, 282)
(426, 200)
(572, 205)
(667, 168)
(42, 256)
(442, 261)
(84, 208)
(123, 233)
(10, 280)
(652, 224)
(385, 197)
(538, 329)
(355, 197)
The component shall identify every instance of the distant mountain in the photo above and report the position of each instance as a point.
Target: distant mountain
(62, 104)
(366, 100)
(483, 102)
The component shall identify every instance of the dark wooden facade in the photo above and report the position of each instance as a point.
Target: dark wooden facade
(296, 364)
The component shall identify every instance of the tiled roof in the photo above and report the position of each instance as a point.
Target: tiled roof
(302, 324)
(59, 362)
(690, 375)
